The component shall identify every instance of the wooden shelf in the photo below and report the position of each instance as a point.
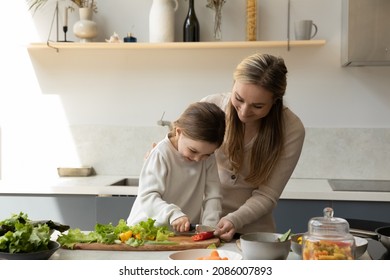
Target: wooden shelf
(175, 45)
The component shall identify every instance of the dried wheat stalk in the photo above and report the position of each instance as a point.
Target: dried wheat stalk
(251, 19)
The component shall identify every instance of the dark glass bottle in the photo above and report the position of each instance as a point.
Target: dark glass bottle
(191, 25)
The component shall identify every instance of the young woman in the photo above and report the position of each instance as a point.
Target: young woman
(179, 182)
(262, 145)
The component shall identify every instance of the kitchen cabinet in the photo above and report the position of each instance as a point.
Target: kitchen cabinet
(82, 202)
(296, 213)
(110, 209)
(77, 211)
(73, 210)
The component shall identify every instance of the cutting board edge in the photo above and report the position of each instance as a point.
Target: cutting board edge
(123, 247)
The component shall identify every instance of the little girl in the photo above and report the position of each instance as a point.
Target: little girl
(179, 182)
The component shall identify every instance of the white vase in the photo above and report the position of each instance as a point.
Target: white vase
(85, 28)
(162, 21)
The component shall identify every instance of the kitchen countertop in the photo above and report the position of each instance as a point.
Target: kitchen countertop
(320, 189)
(91, 185)
(64, 254)
(99, 185)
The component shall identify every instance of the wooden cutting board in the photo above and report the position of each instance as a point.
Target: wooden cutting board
(183, 243)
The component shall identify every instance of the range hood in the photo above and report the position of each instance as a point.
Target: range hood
(365, 33)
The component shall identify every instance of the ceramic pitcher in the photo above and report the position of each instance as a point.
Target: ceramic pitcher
(162, 21)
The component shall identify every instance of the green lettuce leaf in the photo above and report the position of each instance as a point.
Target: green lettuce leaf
(109, 234)
(22, 236)
(73, 236)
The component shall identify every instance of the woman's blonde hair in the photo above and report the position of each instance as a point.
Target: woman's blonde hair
(269, 72)
(202, 121)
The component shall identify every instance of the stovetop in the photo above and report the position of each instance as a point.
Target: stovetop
(377, 251)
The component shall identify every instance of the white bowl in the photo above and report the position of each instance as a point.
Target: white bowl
(361, 245)
(296, 247)
(36, 255)
(198, 253)
(264, 246)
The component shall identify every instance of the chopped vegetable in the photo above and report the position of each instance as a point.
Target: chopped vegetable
(214, 255)
(124, 236)
(202, 236)
(285, 236)
(212, 246)
(74, 236)
(133, 236)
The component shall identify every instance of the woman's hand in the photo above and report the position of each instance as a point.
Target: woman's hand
(148, 152)
(225, 230)
(181, 224)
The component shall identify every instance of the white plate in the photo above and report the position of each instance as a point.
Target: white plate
(197, 253)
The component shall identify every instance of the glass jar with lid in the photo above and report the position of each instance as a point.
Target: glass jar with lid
(328, 238)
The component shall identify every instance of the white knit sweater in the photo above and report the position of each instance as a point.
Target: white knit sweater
(171, 186)
(247, 206)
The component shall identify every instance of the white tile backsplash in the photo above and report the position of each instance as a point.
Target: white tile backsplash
(340, 153)
(115, 150)
(345, 153)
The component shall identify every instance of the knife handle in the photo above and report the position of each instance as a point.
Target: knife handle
(192, 227)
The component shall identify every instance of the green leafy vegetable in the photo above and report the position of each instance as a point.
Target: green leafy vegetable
(212, 246)
(285, 236)
(148, 231)
(74, 236)
(144, 231)
(19, 235)
(52, 225)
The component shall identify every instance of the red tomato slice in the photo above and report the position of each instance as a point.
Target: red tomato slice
(203, 236)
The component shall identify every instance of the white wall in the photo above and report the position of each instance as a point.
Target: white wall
(42, 93)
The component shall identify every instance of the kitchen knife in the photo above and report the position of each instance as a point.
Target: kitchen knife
(203, 232)
(203, 228)
(195, 229)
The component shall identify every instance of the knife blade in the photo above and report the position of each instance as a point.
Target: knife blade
(195, 229)
(203, 228)
(203, 232)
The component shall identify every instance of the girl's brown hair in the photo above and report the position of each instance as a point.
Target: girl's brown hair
(202, 121)
(269, 72)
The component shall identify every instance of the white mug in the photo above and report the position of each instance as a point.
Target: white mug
(304, 30)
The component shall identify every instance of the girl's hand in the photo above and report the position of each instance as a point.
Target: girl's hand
(225, 230)
(148, 152)
(181, 224)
